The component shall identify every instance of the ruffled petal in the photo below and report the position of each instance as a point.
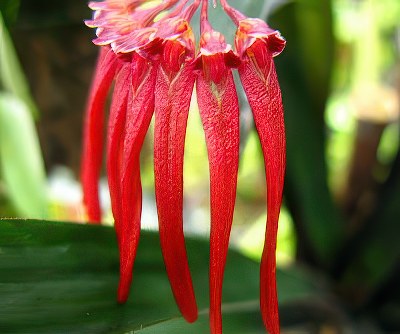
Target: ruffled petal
(173, 95)
(219, 110)
(106, 67)
(260, 83)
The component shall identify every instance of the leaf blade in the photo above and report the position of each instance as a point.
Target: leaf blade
(21, 161)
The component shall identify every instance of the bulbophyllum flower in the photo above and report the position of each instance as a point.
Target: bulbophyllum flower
(150, 54)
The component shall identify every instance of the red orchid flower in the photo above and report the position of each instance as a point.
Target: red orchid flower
(150, 54)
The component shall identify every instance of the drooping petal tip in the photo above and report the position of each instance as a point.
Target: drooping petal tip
(251, 30)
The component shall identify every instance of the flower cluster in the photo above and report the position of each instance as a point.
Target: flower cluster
(149, 50)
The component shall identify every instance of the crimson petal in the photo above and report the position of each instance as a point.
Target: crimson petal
(115, 136)
(107, 65)
(130, 116)
(260, 83)
(172, 101)
(219, 110)
(116, 125)
(140, 109)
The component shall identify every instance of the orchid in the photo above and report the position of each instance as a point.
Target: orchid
(150, 54)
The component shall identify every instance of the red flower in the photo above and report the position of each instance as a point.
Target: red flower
(155, 66)
(219, 111)
(258, 76)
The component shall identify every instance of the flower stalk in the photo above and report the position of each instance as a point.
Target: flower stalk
(151, 55)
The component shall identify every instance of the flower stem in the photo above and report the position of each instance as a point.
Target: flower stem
(188, 14)
(233, 13)
(204, 23)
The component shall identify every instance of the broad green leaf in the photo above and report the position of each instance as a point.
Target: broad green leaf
(59, 277)
(12, 78)
(238, 318)
(21, 165)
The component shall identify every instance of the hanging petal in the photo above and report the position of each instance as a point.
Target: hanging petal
(139, 112)
(260, 83)
(219, 110)
(115, 136)
(107, 66)
(173, 95)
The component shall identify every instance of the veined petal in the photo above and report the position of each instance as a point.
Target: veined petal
(106, 67)
(219, 110)
(116, 126)
(172, 101)
(175, 80)
(115, 139)
(260, 83)
(139, 112)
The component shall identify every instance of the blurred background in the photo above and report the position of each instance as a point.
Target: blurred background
(340, 81)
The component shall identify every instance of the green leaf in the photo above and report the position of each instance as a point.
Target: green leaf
(21, 165)
(12, 78)
(59, 277)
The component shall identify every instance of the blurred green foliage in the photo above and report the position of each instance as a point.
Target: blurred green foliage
(21, 164)
(342, 116)
(9, 10)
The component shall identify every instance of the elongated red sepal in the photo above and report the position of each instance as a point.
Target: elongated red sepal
(115, 139)
(106, 67)
(172, 101)
(219, 110)
(140, 109)
(260, 83)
